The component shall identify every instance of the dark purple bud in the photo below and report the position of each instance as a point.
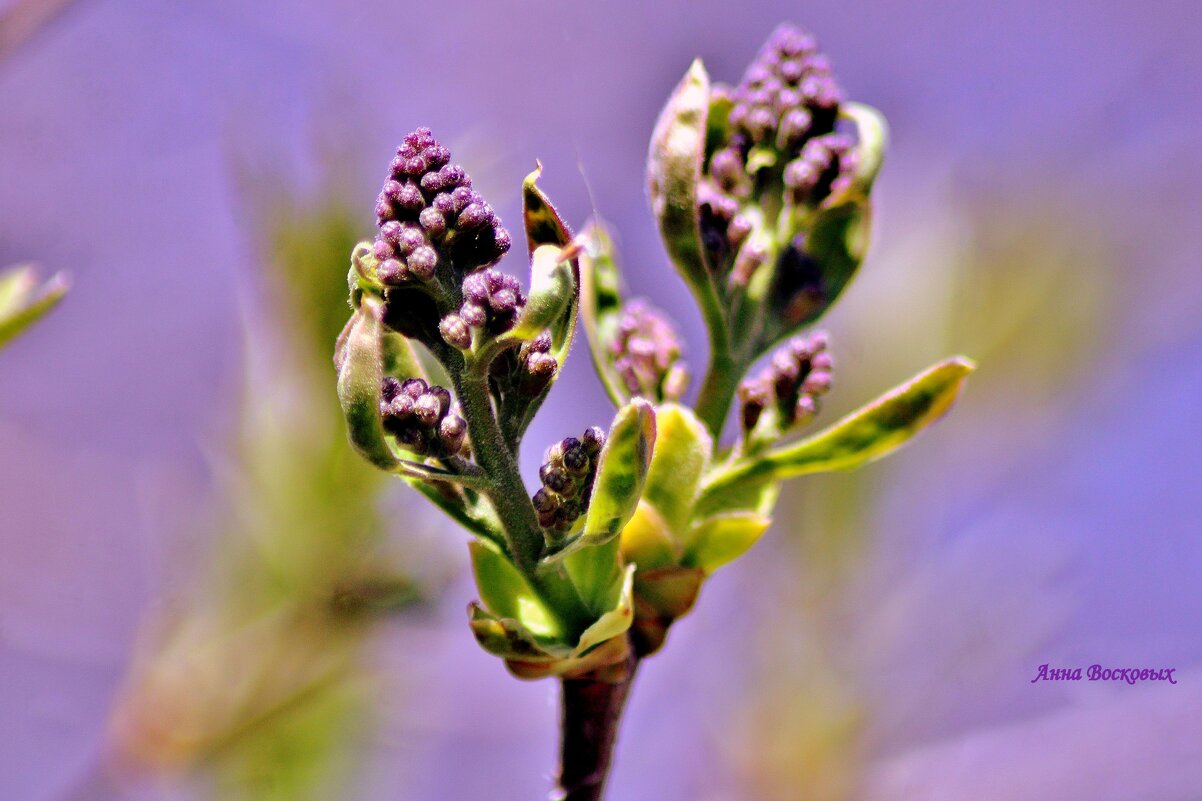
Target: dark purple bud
(401, 406)
(382, 250)
(444, 204)
(389, 388)
(545, 501)
(575, 459)
(432, 182)
(453, 175)
(391, 231)
(414, 387)
(462, 196)
(593, 440)
(554, 478)
(541, 343)
(753, 399)
(475, 288)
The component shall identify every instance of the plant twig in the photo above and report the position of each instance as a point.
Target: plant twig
(592, 711)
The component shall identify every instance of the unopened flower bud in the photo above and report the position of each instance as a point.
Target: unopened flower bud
(455, 332)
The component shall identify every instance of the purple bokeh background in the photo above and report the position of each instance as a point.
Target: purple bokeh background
(118, 128)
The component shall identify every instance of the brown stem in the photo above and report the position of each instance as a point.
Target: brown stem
(592, 710)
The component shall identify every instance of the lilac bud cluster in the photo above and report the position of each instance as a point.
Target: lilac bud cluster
(537, 365)
(797, 376)
(646, 353)
(567, 476)
(422, 417)
(787, 94)
(782, 117)
(825, 167)
(428, 213)
(492, 301)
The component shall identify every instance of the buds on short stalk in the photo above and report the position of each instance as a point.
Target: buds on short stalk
(645, 351)
(761, 190)
(492, 301)
(422, 417)
(428, 214)
(790, 387)
(567, 477)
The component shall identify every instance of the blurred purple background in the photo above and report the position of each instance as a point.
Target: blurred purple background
(1056, 526)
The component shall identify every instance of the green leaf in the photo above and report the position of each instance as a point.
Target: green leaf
(682, 454)
(23, 303)
(647, 541)
(507, 594)
(543, 224)
(613, 622)
(360, 377)
(552, 288)
(866, 435)
(674, 172)
(592, 558)
(723, 538)
(872, 134)
(808, 281)
(601, 305)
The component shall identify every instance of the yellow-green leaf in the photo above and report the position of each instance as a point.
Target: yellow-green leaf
(723, 538)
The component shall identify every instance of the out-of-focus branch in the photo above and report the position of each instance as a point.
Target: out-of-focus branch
(25, 19)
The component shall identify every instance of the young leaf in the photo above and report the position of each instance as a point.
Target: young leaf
(866, 435)
(673, 173)
(723, 538)
(552, 288)
(647, 541)
(592, 558)
(543, 224)
(600, 305)
(681, 456)
(507, 594)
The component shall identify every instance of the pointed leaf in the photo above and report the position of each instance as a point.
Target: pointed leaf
(506, 592)
(682, 454)
(674, 171)
(723, 538)
(592, 560)
(647, 541)
(870, 433)
(552, 288)
(615, 621)
(872, 134)
(600, 305)
(543, 224)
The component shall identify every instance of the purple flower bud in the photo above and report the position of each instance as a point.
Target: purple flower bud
(414, 387)
(462, 196)
(432, 183)
(411, 239)
(453, 176)
(503, 302)
(554, 478)
(409, 197)
(474, 215)
(444, 204)
(455, 331)
(389, 388)
(426, 409)
(433, 222)
(392, 272)
(423, 261)
(452, 432)
(391, 231)
(382, 250)
(474, 315)
(545, 500)
(436, 156)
